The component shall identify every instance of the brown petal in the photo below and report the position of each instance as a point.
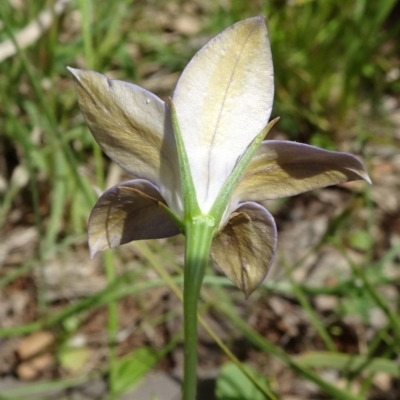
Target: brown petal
(245, 247)
(132, 126)
(283, 168)
(128, 211)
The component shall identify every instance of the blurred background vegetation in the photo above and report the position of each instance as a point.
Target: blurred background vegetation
(325, 324)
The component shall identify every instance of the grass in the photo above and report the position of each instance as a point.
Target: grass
(333, 61)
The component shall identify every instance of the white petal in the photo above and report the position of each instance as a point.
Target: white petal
(223, 100)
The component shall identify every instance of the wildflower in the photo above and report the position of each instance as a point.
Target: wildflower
(203, 157)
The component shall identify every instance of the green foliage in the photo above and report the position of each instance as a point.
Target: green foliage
(325, 54)
(361, 240)
(132, 369)
(73, 359)
(347, 363)
(232, 384)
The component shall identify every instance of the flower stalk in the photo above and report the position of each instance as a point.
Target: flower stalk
(199, 234)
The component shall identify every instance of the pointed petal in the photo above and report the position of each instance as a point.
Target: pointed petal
(280, 169)
(245, 247)
(223, 100)
(128, 211)
(132, 126)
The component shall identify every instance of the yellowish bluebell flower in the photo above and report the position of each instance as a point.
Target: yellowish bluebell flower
(203, 156)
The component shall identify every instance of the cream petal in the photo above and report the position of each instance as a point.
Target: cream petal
(133, 127)
(280, 169)
(223, 100)
(128, 211)
(245, 247)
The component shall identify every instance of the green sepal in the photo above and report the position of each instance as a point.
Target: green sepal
(172, 215)
(191, 205)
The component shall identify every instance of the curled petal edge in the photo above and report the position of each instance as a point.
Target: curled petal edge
(132, 210)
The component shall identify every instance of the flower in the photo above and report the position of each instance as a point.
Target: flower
(204, 156)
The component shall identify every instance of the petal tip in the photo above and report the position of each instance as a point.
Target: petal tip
(78, 74)
(248, 291)
(258, 18)
(73, 71)
(367, 178)
(93, 249)
(92, 253)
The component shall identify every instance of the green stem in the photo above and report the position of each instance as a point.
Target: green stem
(198, 234)
(112, 325)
